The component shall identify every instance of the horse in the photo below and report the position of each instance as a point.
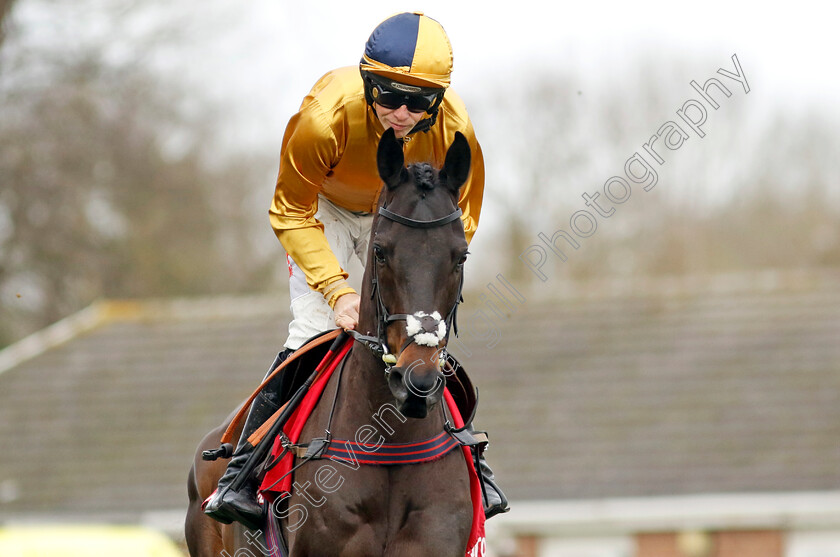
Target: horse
(389, 388)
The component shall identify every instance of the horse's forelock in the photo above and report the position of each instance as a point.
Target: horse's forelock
(426, 180)
(424, 177)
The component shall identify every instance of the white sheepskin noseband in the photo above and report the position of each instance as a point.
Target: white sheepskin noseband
(423, 334)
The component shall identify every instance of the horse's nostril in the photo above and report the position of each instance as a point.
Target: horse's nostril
(427, 384)
(396, 382)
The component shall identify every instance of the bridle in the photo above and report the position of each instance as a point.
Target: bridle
(379, 344)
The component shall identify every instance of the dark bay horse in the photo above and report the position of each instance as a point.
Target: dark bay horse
(411, 288)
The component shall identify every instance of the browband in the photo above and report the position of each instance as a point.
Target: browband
(420, 223)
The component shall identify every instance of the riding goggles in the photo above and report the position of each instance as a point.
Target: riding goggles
(392, 99)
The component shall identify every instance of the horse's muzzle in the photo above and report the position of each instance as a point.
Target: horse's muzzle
(416, 388)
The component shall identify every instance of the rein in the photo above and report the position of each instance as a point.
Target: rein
(378, 344)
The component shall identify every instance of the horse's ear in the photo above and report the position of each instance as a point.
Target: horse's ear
(390, 159)
(457, 164)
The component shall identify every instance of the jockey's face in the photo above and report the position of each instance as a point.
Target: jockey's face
(400, 119)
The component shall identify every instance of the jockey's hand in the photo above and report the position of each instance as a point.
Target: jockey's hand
(346, 310)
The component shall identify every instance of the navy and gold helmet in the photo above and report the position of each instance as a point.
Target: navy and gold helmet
(407, 60)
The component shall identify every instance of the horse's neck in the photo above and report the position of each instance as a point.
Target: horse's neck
(366, 400)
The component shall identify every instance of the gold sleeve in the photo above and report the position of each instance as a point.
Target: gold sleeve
(309, 151)
(453, 118)
(472, 192)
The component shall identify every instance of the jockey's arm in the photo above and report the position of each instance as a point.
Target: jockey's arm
(307, 156)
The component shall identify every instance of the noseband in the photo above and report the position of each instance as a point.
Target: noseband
(427, 328)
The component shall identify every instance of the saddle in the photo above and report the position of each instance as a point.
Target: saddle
(296, 369)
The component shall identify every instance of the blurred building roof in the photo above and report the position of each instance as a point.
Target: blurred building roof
(608, 390)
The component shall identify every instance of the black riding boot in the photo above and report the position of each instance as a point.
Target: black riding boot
(226, 505)
(466, 399)
(495, 501)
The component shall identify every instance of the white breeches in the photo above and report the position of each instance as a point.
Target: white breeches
(348, 234)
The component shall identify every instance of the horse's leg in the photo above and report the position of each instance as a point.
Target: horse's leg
(206, 537)
(436, 498)
(349, 521)
(203, 534)
(413, 540)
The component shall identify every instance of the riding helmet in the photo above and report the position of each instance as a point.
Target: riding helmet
(409, 52)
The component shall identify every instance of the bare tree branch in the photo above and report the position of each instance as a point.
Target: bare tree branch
(5, 9)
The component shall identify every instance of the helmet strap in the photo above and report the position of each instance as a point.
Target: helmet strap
(425, 124)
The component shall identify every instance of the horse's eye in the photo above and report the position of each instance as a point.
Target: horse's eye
(462, 260)
(378, 254)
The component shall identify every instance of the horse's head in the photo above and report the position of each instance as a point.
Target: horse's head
(415, 269)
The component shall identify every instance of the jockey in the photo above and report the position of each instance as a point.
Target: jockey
(327, 192)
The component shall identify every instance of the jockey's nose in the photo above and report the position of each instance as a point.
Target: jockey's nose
(402, 112)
